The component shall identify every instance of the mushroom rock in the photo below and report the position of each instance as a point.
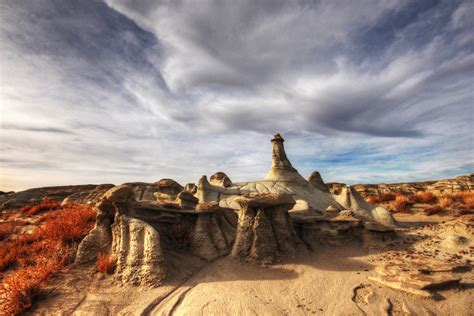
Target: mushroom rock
(99, 239)
(136, 246)
(213, 233)
(220, 179)
(265, 230)
(316, 181)
(134, 243)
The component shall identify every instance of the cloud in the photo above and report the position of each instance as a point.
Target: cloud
(139, 90)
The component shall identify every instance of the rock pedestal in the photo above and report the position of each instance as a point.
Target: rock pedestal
(264, 229)
(132, 242)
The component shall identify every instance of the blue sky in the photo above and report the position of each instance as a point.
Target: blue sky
(117, 91)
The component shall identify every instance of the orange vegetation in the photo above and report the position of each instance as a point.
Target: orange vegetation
(466, 198)
(445, 201)
(424, 197)
(401, 203)
(106, 264)
(40, 207)
(434, 210)
(36, 255)
(381, 198)
(7, 228)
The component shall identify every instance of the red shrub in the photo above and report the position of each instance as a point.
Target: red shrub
(381, 198)
(106, 264)
(401, 203)
(21, 288)
(40, 254)
(433, 210)
(6, 229)
(39, 208)
(467, 198)
(425, 197)
(70, 225)
(445, 201)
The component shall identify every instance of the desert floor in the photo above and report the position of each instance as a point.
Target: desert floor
(329, 280)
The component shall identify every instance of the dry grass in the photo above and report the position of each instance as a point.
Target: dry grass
(106, 264)
(35, 256)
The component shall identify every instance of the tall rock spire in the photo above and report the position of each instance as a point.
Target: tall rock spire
(281, 170)
(279, 159)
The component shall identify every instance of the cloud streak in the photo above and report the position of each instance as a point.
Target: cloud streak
(138, 90)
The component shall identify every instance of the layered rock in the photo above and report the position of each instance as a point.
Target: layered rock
(458, 184)
(134, 243)
(265, 231)
(213, 233)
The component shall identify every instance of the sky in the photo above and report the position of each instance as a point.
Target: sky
(118, 91)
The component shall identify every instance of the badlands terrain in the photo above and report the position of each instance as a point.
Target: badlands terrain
(283, 245)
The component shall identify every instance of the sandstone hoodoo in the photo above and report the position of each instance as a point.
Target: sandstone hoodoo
(265, 230)
(141, 224)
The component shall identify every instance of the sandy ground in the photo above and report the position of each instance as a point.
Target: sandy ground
(325, 281)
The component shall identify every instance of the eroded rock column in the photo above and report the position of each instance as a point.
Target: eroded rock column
(264, 231)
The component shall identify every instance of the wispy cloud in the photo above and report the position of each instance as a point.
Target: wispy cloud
(364, 91)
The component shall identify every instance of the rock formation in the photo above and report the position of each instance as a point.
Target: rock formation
(144, 226)
(311, 197)
(265, 231)
(316, 181)
(458, 184)
(220, 179)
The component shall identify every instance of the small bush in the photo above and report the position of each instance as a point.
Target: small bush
(6, 229)
(434, 210)
(445, 201)
(466, 198)
(20, 289)
(106, 264)
(39, 208)
(39, 254)
(425, 197)
(71, 225)
(381, 198)
(401, 203)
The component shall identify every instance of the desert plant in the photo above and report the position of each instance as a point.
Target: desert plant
(43, 206)
(6, 229)
(434, 210)
(382, 198)
(71, 225)
(20, 289)
(425, 197)
(106, 264)
(401, 203)
(466, 198)
(445, 201)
